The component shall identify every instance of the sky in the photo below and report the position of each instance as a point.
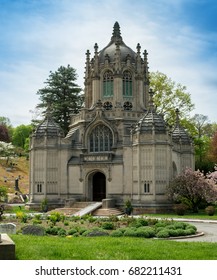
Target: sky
(39, 36)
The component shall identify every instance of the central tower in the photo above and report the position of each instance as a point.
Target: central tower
(117, 76)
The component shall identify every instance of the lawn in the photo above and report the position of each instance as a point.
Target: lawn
(109, 248)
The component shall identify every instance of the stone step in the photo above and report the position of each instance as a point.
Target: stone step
(108, 212)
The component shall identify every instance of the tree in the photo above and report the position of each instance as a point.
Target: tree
(170, 96)
(20, 135)
(7, 150)
(213, 149)
(5, 129)
(4, 134)
(201, 137)
(192, 188)
(62, 94)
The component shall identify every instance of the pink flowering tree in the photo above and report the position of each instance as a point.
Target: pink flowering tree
(213, 175)
(192, 188)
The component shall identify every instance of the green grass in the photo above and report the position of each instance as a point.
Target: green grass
(109, 248)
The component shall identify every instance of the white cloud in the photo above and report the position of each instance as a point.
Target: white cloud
(174, 48)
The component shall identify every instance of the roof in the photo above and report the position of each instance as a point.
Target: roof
(110, 50)
(48, 127)
(179, 134)
(151, 120)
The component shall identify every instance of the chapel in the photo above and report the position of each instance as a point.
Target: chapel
(117, 147)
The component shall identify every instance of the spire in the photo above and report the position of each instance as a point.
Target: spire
(151, 101)
(177, 117)
(116, 35)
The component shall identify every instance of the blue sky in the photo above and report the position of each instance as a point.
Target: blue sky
(38, 36)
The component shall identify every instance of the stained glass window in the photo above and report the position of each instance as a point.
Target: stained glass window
(100, 139)
(108, 84)
(127, 84)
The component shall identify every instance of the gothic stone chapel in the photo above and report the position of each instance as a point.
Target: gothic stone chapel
(118, 147)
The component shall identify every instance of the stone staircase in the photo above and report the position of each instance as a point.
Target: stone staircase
(107, 212)
(78, 208)
(69, 211)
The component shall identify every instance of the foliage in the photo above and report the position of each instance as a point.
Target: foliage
(44, 205)
(4, 134)
(23, 217)
(7, 150)
(55, 217)
(213, 148)
(21, 135)
(63, 94)
(170, 96)
(128, 207)
(3, 193)
(192, 188)
(108, 225)
(210, 210)
(180, 209)
(201, 133)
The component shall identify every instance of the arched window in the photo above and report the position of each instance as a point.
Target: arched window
(127, 84)
(108, 84)
(100, 139)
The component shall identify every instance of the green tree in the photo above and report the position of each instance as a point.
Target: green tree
(62, 95)
(213, 149)
(201, 135)
(170, 96)
(20, 135)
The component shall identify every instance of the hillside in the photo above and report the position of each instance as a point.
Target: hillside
(19, 170)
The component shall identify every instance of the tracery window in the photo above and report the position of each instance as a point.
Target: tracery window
(100, 139)
(127, 84)
(108, 84)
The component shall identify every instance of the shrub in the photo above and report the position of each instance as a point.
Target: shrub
(140, 222)
(96, 233)
(117, 233)
(189, 231)
(180, 209)
(175, 232)
(146, 232)
(130, 232)
(36, 221)
(163, 234)
(71, 231)
(52, 230)
(113, 218)
(22, 216)
(61, 232)
(210, 210)
(107, 225)
(180, 225)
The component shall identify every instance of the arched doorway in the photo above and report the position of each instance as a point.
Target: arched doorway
(99, 186)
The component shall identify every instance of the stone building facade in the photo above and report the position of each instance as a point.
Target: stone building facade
(118, 146)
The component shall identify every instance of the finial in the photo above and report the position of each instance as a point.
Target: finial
(151, 100)
(145, 54)
(138, 48)
(116, 32)
(96, 48)
(88, 53)
(177, 116)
